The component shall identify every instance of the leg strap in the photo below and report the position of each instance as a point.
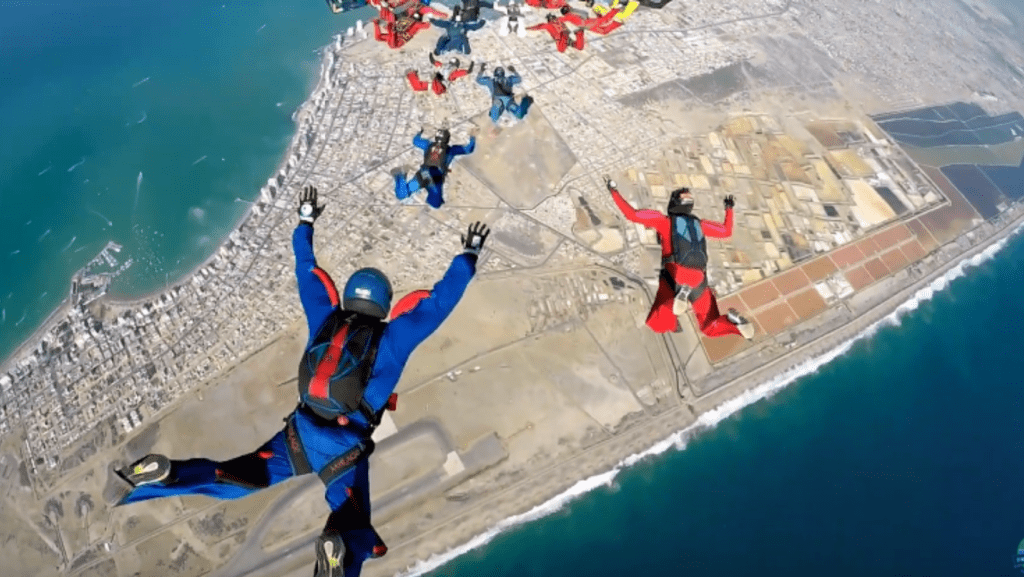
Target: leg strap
(296, 452)
(343, 463)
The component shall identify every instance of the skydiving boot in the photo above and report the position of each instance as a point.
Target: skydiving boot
(682, 300)
(746, 327)
(330, 555)
(147, 470)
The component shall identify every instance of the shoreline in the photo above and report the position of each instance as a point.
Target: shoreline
(657, 435)
(122, 302)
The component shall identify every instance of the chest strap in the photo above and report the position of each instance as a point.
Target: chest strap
(345, 462)
(296, 452)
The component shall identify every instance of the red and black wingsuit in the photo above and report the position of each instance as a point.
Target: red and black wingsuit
(403, 22)
(443, 74)
(557, 27)
(684, 261)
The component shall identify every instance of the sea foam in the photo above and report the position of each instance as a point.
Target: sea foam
(715, 416)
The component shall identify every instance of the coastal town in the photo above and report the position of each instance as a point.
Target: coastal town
(775, 102)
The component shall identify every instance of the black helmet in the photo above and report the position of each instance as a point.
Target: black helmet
(552, 17)
(368, 291)
(680, 204)
(442, 136)
(499, 71)
(456, 12)
(565, 10)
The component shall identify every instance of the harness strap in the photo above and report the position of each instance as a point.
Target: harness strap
(338, 466)
(296, 451)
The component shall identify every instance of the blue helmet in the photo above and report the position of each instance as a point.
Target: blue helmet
(368, 292)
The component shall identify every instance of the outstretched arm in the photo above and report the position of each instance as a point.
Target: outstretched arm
(317, 292)
(574, 19)
(475, 25)
(644, 217)
(718, 229)
(419, 142)
(428, 10)
(461, 149)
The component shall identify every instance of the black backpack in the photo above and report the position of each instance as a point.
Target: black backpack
(335, 370)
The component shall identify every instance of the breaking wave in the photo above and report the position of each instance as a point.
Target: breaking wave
(711, 418)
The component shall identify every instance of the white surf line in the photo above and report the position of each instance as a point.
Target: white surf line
(40, 239)
(45, 170)
(3, 316)
(22, 319)
(108, 221)
(66, 247)
(14, 252)
(198, 160)
(76, 165)
(141, 82)
(261, 27)
(711, 418)
(143, 119)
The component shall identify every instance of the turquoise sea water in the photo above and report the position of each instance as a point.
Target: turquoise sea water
(196, 96)
(904, 457)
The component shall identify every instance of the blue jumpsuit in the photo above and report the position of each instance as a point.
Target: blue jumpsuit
(455, 37)
(322, 442)
(501, 95)
(431, 174)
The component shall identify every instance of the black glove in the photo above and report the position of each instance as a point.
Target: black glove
(474, 240)
(308, 209)
(511, 69)
(729, 202)
(483, 66)
(609, 183)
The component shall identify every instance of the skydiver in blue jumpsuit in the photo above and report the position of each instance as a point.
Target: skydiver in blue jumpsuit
(321, 436)
(502, 99)
(455, 37)
(437, 158)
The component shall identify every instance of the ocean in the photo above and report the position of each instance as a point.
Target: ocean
(902, 456)
(151, 124)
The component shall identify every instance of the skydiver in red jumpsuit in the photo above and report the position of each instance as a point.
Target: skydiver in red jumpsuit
(546, 4)
(556, 27)
(443, 73)
(684, 261)
(603, 24)
(403, 23)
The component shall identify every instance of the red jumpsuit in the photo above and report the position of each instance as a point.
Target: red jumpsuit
(661, 318)
(560, 32)
(603, 24)
(402, 27)
(546, 4)
(437, 83)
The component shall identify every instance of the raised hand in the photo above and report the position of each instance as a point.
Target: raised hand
(474, 240)
(609, 183)
(308, 209)
(729, 202)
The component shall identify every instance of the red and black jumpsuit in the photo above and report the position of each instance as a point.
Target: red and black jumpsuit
(561, 34)
(661, 318)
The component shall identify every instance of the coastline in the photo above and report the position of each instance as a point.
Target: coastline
(119, 302)
(548, 490)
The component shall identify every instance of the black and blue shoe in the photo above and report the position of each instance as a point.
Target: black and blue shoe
(147, 470)
(330, 555)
